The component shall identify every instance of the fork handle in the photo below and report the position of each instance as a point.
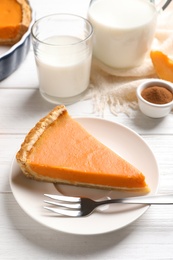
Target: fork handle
(163, 199)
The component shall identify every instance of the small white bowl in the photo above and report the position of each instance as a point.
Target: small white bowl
(151, 109)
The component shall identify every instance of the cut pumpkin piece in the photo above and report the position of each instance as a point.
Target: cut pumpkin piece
(163, 65)
(59, 150)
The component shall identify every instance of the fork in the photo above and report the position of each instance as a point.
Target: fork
(80, 207)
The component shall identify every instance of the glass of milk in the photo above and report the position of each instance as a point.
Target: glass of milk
(62, 46)
(123, 31)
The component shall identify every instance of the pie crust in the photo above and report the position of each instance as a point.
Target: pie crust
(32, 138)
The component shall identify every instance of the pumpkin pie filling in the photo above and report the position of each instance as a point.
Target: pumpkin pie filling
(10, 18)
(65, 152)
(15, 17)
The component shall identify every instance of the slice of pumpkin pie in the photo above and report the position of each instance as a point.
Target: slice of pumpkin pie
(59, 150)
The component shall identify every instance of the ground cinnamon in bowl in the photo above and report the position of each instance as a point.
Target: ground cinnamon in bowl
(157, 95)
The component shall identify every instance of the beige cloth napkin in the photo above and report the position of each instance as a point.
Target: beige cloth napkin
(117, 88)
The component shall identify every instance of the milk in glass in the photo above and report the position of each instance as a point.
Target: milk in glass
(63, 67)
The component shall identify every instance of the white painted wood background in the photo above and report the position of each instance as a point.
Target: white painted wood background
(150, 237)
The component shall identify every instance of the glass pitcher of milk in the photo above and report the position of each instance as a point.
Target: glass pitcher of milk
(123, 30)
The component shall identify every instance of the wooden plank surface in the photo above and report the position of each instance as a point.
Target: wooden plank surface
(21, 106)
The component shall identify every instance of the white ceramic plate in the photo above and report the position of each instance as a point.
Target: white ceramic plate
(125, 142)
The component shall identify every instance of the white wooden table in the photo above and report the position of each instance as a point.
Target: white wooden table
(21, 106)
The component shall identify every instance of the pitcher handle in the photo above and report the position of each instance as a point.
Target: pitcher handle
(166, 4)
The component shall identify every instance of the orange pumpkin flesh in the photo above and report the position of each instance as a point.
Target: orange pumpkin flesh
(163, 65)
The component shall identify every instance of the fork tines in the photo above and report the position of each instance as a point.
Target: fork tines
(63, 204)
(63, 198)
